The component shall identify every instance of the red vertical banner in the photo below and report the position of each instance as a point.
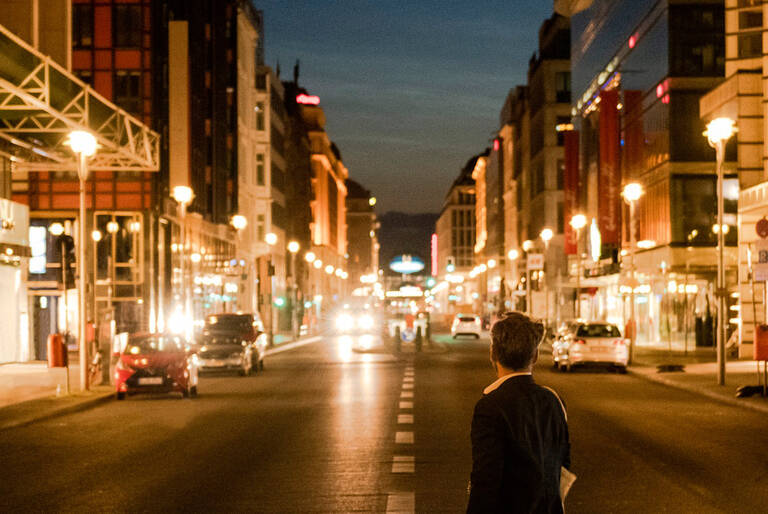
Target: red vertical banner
(609, 172)
(571, 188)
(433, 261)
(634, 146)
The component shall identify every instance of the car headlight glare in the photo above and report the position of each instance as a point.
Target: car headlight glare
(365, 322)
(344, 322)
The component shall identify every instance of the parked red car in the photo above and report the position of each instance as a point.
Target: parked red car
(156, 363)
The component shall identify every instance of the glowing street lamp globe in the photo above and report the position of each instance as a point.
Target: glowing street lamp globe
(82, 143)
(271, 238)
(546, 235)
(294, 246)
(527, 245)
(632, 192)
(720, 130)
(513, 254)
(310, 257)
(56, 229)
(318, 264)
(183, 195)
(578, 221)
(239, 222)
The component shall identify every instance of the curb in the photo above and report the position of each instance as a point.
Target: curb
(79, 406)
(694, 390)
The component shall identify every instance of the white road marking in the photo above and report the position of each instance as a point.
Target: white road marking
(406, 394)
(401, 503)
(404, 437)
(408, 385)
(408, 372)
(407, 379)
(403, 464)
(405, 419)
(406, 405)
(291, 346)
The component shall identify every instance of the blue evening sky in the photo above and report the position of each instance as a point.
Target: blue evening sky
(411, 89)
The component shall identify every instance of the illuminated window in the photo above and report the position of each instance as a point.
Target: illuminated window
(259, 115)
(127, 90)
(126, 26)
(260, 169)
(82, 26)
(750, 45)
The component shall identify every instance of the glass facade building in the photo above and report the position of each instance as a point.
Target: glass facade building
(639, 69)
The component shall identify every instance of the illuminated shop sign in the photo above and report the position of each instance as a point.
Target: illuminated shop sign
(307, 99)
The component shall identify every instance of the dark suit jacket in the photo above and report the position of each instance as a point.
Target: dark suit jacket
(519, 441)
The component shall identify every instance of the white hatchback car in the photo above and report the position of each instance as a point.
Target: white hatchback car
(467, 325)
(589, 342)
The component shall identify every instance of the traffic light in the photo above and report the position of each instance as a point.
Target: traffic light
(67, 253)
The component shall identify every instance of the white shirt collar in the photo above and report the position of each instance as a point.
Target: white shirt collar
(501, 380)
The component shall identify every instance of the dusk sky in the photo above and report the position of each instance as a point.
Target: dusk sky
(410, 89)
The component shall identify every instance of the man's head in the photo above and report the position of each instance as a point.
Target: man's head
(515, 341)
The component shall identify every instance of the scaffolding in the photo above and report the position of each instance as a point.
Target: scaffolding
(41, 103)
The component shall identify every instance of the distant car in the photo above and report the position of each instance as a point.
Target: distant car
(355, 321)
(467, 325)
(224, 352)
(246, 327)
(580, 343)
(156, 363)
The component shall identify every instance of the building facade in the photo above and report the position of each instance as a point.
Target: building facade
(362, 236)
(456, 230)
(742, 97)
(639, 70)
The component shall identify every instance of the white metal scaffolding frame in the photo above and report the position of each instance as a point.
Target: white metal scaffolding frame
(41, 103)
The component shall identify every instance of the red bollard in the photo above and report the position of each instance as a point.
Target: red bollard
(56, 351)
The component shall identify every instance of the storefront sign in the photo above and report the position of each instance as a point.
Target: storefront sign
(535, 261)
(609, 171)
(760, 268)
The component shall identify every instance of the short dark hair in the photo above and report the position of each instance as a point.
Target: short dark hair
(514, 340)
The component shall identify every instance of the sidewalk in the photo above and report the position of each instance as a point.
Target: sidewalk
(700, 374)
(32, 391)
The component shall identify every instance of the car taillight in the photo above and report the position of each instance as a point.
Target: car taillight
(579, 341)
(619, 342)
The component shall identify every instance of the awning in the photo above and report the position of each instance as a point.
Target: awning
(41, 103)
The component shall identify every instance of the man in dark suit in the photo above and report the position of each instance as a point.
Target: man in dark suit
(519, 429)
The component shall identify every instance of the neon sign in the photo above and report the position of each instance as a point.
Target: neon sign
(307, 99)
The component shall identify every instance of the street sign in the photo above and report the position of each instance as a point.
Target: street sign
(761, 227)
(760, 268)
(535, 261)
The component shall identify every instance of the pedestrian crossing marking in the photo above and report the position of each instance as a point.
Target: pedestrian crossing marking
(403, 464)
(401, 503)
(404, 437)
(405, 419)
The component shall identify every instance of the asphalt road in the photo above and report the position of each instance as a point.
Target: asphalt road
(328, 429)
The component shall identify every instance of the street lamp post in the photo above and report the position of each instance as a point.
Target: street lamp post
(239, 222)
(578, 222)
(84, 145)
(293, 248)
(271, 240)
(546, 236)
(631, 194)
(513, 255)
(527, 246)
(183, 196)
(719, 131)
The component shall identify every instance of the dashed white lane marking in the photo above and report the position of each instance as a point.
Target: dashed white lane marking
(405, 419)
(407, 380)
(406, 394)
(408, 385)
(408, 372)
(406, 405)
(404, 437)
(403, 464)
(401, 503)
